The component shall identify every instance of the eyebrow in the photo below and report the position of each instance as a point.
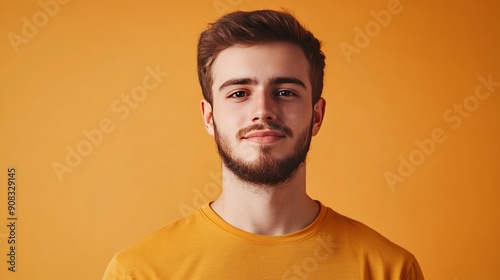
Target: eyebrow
(242, 81)
(271, 81)
(286, 80)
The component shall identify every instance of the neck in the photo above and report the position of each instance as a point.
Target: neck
(266, 210)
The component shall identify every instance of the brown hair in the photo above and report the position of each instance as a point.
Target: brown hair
(249, 28)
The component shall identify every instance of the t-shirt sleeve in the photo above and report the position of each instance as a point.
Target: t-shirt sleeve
(414, 273)
(115, 271)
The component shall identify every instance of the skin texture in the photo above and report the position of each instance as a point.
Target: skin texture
(263, 117)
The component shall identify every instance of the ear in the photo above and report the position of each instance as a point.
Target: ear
(318, 115)
(208, 117)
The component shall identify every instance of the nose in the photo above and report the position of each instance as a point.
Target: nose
(264, 108)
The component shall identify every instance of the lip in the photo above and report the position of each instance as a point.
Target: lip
(264, 136)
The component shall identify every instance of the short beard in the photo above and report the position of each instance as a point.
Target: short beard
(266, 171)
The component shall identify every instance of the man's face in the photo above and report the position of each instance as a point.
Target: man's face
(262, 114)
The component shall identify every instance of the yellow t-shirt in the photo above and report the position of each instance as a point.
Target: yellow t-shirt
(204, 246)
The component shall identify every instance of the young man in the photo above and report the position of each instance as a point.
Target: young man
(261, 75)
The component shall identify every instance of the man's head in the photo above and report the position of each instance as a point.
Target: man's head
(251, 28)
(262, 75)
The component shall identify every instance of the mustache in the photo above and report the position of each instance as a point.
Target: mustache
(264, 126)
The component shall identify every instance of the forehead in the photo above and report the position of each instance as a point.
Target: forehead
(261, 62)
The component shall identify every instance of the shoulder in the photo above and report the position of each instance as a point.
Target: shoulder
(351, 230)
(379, 257)
(369, 246)
(167, 243)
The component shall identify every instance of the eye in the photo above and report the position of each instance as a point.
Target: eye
(238, 94)
(284, 92)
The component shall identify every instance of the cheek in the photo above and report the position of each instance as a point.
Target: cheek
(228, 121)
(297, 117)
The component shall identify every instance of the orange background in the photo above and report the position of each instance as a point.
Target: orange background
(158, 162)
